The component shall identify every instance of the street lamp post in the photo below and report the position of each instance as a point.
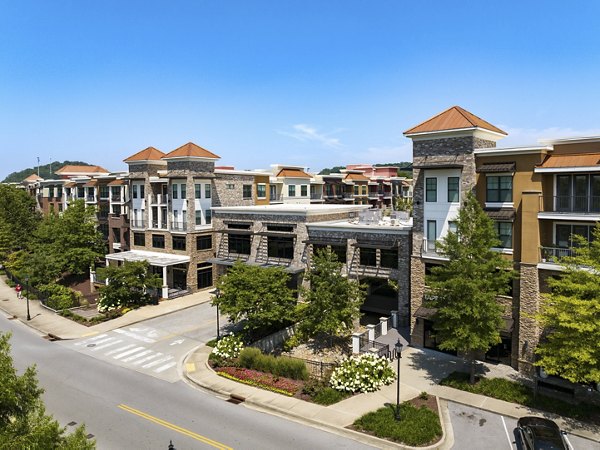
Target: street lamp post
(218, 295)
(27, 296)
(398, 356)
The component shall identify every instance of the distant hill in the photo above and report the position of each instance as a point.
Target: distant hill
(45, 171)
(404, 169)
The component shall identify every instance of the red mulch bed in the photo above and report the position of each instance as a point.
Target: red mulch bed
(261, 379)
(430, 403)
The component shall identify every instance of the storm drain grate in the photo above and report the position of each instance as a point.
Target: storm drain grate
(89, 436)
(236, 399)
(71, 424)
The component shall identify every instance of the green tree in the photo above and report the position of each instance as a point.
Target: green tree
(259, 296)
(332, 301)
(570, 316)
(23, 420)
(131, 284)
(46, 171)
(464, 289)
(18, 219)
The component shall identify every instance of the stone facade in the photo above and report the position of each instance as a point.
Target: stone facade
(528, 329)
(202, 169)
(228, 190)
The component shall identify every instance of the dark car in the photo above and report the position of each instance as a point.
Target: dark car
(537, 433)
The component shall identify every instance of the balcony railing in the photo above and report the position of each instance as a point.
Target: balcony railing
(90, 198)
(315, 196)
(137, 223)
(179, 226)
(429, 246)
(554, 254)
(159, 199)
(576, 204)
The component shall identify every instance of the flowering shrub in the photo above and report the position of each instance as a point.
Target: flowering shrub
(229, 347)
(263, 380)
(362, 373)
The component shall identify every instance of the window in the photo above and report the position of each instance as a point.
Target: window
(280, 247)
(364, 190)
(230, 186)
(134, 191)
(261, 190)
(198, 217)
(117, 210)
(247, 191)
(504, 230)
(104, 191)
(431, 234)
(238, 226)
(207, 217)
(303, 190)
(453, 189)
(142, 191)
(565, 232)
(116, 232)
(204, 275)
(281, 228)
(291, 190)
(197, 191)
(238, 243)
(204, 242)
(452, 226)
(158, 241)
(499, 188)
(431, 189)
(368, 256)
(273, 192)
(51, 192)
(389, 258)
(80, 192)
(115, 193)
(103, 227)
(174, 192)
(183, 191)
(59, 191)
(139, 239)
(340, 252)
(178, 242)
(355, 190)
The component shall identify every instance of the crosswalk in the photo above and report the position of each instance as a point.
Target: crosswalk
(145, 349)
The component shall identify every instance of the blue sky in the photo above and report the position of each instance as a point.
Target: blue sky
(316, 83)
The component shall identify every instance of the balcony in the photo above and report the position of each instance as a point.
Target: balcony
(138, 223)
(554, 254)
(159, 199)
(179, 226)
(348, 196)
(162, 226)
(575, 204)
(373, 195)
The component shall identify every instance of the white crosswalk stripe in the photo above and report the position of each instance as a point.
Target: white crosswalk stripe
(145, 339)
(147, 358)
(128, 352)
(165, 367)
(108, 344)
(136, 356)
(117, 350)
(158, 361)
(87, 341)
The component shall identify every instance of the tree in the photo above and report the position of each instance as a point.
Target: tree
(46, 171)
(464, 289)
(18, 219)
(258, 295)
(23, 420)
(130, 284)
(570, 315)
(332, 302)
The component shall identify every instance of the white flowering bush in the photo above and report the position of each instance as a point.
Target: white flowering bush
(229, 347)
(363, 373)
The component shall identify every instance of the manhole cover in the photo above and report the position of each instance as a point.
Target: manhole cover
(91, 345)
(70, 424)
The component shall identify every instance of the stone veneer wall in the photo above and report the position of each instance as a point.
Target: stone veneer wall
(182, 168)
(223, 196)
(528, 329)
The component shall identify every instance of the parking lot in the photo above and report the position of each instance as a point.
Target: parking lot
(477, 429)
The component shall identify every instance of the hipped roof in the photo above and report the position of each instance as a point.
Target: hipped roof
(191, 150)
(294, 173)
(453, 118)
(148, 154)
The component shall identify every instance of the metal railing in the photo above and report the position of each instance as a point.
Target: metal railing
(137, 223)
(429, 246)
(115, 198)
(179, 226)
(575, 203)
(554, 254)
(383, 350)
(159, 199)
(318, 369)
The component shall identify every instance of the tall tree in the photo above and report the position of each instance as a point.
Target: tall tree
(570, 315)
(18, 219)
(331, 302)
(464, 289)
(23, 420)
(131, 284)
(258, 295)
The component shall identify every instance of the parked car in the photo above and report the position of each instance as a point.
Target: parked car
(537, 433)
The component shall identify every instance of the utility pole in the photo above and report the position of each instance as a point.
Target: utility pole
(38, 159)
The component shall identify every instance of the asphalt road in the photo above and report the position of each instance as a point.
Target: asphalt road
(477, 429)
(128, 409)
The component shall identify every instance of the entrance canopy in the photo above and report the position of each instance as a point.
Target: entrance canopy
(153, 258)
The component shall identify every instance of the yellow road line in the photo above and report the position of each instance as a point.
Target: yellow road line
(173, 427)
(89, 334)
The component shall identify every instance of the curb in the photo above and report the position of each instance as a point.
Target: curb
(342, 431)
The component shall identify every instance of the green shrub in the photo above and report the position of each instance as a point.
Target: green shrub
(424, 396)
(229, 347)
(328, 396)
(362, 373)
(59, 297)
(417, 427)
(253, 358)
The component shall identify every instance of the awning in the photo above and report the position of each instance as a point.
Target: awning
(224, 261)
(380, 245)
(588, 162)
(234, 231)
(501, 214)
(425, 313)
(497, 167)
(153, 258)
(91, 183)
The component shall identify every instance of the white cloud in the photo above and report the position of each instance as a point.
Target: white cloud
(532, 136)
(308, 133)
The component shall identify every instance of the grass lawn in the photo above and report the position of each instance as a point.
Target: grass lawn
(514, 392)
(418, 426)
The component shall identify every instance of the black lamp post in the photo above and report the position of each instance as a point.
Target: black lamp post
(398, 356)
(27, 296)
(218, 295)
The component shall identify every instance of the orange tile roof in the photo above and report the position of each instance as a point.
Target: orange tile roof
(70, 184)
(117, 183)
(91, 183)
(191, 149)
(356, 177)
(148, 154)
(81, 169)
(294, 173)
(571, 160)
(452, 119)
(33, 177)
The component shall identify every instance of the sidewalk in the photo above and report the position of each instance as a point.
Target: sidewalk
(421, 370)
(50, 323)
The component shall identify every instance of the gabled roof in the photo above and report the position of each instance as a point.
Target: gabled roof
(117, 182)
(294, 173)
(148, 154)
(454, 118)
(80, 170)
(33, 177)
(356, 177)
(190, 150)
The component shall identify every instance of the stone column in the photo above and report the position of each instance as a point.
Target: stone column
(417, 279)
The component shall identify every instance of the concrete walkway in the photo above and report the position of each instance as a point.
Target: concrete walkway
(50, 323)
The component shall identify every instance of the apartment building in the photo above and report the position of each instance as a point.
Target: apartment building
(538, 197)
